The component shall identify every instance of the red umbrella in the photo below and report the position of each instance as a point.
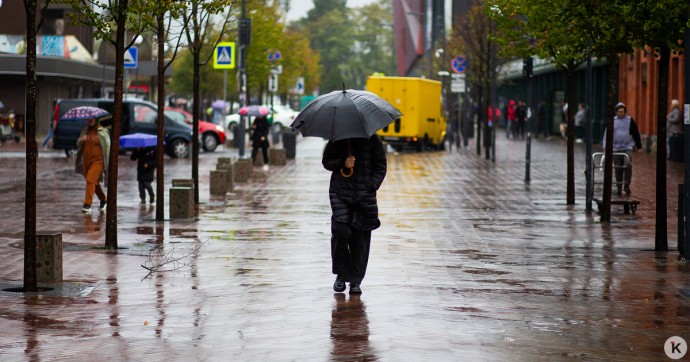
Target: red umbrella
(253, 111)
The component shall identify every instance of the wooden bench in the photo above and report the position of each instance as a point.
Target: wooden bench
(629, 203)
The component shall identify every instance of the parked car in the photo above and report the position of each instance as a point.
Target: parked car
(282, 117)
(211, 134)
(138, 116)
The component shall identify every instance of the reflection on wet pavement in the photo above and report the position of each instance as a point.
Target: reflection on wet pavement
(469, 264)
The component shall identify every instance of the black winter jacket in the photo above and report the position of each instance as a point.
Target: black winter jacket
(353, 199)
(145, 156)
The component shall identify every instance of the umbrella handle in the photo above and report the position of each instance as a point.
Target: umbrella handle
(349, 174)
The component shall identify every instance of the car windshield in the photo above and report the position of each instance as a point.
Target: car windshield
(176, 116)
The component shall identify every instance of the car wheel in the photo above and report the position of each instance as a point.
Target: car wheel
(70, 152)
(179, 148)
(210, 142)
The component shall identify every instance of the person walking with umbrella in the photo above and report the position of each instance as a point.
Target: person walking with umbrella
(358, 167)
(93, 153)
(260, 138)
(356, 158)
(146, 165)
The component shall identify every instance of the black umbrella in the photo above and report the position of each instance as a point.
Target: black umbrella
(345, 114)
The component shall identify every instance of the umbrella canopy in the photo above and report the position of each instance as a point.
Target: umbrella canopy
(136, 140)
(218, 104)
(85, 112)
(253, 111)
(345, 114)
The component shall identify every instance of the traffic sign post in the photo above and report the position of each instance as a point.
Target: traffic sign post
(224, 56)
(131, 58)
(273, 83)
(458, 64)
(299, 86)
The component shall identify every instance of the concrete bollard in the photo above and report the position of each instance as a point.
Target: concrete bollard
(259, 160)
(230, 170)
(181, 203)
(243, 169)
(225, 160)
(183, 182)
(49, 257)
(219, 182)
(277, 156)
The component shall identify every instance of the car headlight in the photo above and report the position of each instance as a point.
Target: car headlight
(220, 129)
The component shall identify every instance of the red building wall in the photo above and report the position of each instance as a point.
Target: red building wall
(639, 73)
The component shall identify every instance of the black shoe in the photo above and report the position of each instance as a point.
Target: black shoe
(619, 193)
(102, 206)
(355, 289)
(627, 190)
(338, 286)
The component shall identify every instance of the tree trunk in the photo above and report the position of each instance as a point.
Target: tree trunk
(160, 175)
(30, 278)
(572, 106)
(660, 236)
(195, 124)
(111, 215)
(605, 211)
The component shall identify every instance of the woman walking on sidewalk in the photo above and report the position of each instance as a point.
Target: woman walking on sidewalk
(358, 167)
(92, 161)
(626, 137)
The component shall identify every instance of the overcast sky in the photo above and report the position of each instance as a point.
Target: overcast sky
(299, 8)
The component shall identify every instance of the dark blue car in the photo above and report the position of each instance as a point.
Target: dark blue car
(138, 116)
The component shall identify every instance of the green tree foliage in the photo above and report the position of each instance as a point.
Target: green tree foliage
(269, 33)
(332, 35)
(373, 48)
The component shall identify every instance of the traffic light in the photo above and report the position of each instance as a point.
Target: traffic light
(527, 67)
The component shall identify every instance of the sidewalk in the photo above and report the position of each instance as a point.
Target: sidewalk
(470, 264)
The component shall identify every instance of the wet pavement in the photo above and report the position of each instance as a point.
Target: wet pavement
(470, 263)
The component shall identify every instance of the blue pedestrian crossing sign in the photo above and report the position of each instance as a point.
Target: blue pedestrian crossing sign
(131, 58)
(224, 56)
(458, 64)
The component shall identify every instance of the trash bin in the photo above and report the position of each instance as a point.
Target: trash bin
(236, 137)
(289, 143)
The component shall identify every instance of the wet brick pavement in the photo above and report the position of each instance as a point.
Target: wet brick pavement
(470, 264)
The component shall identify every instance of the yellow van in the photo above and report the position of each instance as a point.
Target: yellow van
(422, 124)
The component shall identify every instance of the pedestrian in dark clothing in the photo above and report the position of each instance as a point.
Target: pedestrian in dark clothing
(146, 164)
(521, 115)
(358, 167)
(541, 120)
(260, 138)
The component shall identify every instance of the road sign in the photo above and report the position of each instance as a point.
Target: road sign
(458, 64)
(273, 83)
(299, 87)
(132, 58)
(457, 83)
(224, 56)
(274, 55)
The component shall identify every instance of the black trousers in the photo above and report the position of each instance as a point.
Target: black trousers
(349, 252)
(143, 187)
(264, 151)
